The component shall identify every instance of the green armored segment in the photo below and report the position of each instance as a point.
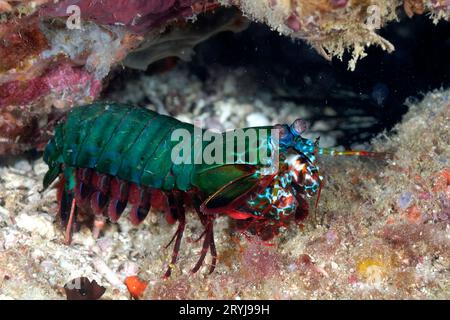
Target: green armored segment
(239, 158)
(76, 130)
(118, 144)
(156, 170)
(129, 142)
(136, 144)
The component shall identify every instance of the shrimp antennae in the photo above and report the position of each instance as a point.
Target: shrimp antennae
(360, 153)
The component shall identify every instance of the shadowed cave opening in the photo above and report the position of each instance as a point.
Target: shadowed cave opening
(376, 90)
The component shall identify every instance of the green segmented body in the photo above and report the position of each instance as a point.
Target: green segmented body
(135, 145)
(129, 142)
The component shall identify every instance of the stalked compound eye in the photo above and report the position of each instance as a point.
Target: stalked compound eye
(298, 127)
(285, 135)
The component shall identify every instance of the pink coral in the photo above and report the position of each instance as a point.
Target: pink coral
(136, 15)
(64, 79)
(260, 261)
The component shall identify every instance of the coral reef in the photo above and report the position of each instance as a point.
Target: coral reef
(387, 236)
(333, 26)
(41, 38)
(38, 49)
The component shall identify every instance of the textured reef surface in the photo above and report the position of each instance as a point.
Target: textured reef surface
(381, 229)
(52, 59)
(386, 237)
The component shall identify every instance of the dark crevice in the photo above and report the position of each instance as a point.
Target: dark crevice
(377, 88)
(380, 84)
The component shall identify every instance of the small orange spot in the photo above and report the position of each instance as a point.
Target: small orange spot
(135, 286)
(446, 173)
(390, 220)
(355, 180)
(441, 180)
(413, 215)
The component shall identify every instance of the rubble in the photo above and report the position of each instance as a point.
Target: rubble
(363, 246)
